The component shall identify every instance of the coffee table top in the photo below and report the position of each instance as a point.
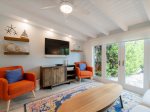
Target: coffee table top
(92, 100)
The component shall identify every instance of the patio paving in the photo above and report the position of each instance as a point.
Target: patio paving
(134, 80)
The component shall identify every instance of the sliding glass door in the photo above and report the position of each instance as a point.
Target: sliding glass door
(122, 63)
(134, 63)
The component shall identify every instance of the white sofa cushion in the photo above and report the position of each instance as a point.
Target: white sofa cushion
(140, 108)
(146, 98)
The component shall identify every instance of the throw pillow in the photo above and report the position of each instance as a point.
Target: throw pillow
(14, 75)
(82, 66)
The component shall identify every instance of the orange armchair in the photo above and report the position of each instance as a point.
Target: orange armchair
(10, 91)
(88, 73)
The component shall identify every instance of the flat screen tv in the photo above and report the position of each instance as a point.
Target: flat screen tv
(56, 47)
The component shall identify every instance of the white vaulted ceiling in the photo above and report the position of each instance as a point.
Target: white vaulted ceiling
(89, 19)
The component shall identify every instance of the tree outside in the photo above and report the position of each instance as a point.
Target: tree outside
(112, 60)
(98, 60)
(134, 52)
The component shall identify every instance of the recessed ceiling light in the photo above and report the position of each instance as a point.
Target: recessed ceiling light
(52, 30)
(66, 7)
(69, 35)
(25, 20)
(50, 33)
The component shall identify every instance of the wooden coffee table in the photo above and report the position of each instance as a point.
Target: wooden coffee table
(93, 100)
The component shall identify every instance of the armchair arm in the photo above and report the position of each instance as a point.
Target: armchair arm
(89, 68)
(30, 77)
(3, 88)
(77, 70)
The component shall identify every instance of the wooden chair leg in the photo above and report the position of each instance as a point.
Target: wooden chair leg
(79, 79)
(91, 78)
(8, 105)
(33, 93)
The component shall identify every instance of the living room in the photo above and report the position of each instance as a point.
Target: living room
(74, 55)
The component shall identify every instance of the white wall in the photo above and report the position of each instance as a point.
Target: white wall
(36, 58)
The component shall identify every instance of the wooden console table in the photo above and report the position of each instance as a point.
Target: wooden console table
(93, 100)
(52, 75)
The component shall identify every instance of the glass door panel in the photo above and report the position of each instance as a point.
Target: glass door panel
(98, 60)
(112, 61)
(134, 63)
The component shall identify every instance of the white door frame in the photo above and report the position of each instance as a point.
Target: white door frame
(121, 68)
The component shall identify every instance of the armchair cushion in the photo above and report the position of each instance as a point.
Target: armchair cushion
(86, 73)
(14, 75)
(20, 87)
(82, 66)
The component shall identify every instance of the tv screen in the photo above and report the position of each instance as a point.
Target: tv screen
(56, 47)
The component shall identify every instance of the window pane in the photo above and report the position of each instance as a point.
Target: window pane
(112, 62)
(98, 60)
(134, 63)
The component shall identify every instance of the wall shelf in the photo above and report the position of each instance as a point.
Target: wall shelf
(16, 39)
(16, 53)
(76, 51)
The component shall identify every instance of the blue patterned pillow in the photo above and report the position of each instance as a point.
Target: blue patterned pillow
(14, 75)
(82, 66)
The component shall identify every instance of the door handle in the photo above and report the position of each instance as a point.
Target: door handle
(123, 63)
(119, 62)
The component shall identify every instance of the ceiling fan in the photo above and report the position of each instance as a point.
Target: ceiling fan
(66, 7)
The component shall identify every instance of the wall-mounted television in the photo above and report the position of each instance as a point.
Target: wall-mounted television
(56, 47)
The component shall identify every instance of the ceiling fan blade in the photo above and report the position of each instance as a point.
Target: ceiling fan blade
(48, 7)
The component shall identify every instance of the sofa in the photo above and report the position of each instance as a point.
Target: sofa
(145, 105)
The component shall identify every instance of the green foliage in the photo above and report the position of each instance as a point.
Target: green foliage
(134, 58)
(134, 51)
(98, 73)
(98, 60)
(112, 60)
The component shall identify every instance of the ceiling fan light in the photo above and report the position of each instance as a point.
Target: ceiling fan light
(66, 7)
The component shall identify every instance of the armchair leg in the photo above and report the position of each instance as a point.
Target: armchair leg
(33, 93)
(79, 79)
(91, 78)
(8, 105)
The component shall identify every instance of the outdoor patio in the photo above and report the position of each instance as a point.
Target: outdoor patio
(134, 80)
